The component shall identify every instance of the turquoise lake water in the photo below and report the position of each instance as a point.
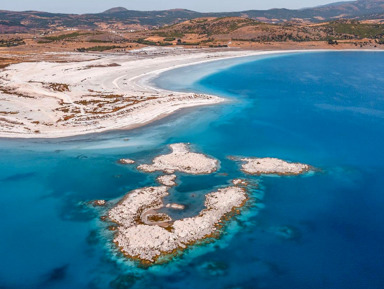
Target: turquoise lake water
(318, 231)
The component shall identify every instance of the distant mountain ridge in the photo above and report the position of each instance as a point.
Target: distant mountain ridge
(115, 10)
(122, 18)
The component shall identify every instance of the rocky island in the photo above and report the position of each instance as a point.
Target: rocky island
(145, 233)
(167, 180)
(272, 166)
(126, 161)
(183, 160)
(147, 236)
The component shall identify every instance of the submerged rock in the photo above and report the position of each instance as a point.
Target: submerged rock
(98, 203)
(18, 177)
(124, 281)
(214, 268)
(57, 274)
(93, 237)
(286, 232)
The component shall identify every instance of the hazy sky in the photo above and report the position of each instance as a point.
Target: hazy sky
(92, 6)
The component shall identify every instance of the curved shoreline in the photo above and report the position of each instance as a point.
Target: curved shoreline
(161, 103)
(138, 73)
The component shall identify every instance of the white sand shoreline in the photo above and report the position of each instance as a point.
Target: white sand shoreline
(96, 100)
(32, 106)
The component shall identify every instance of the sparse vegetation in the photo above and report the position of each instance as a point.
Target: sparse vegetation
(146, 42)
(332, 42)
(11, 42)
(64, 36)
(152, 43)
(158, 218)
(60, 87)
(218, 46)
(169, 34)
(351, 29)
(99, 48)
(98, 41)
(218, 31)
(9, 112)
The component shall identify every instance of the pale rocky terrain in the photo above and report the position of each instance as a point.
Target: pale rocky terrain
(126, 161)
(145, 234)
(182, 160)
(145, 240)
(167, 180)
(273, 166)
(175, 206)
(240, 182)
(98, 203)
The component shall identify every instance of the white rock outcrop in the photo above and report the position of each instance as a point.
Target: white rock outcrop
(167, 180)
(148, 242)
(126, 161)
(175, 206)
(183, 160)
(240, 182)
(272, 166)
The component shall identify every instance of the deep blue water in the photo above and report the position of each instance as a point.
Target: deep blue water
(325, 109)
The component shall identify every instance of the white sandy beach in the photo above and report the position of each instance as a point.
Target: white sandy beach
(96, 94)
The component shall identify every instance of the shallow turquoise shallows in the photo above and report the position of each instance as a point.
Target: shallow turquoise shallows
(319, 231)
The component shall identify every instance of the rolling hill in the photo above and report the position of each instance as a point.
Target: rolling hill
(120, 18)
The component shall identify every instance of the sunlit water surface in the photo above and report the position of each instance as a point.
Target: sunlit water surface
(320, 231)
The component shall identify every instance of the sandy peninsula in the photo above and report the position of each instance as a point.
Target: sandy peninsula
(79, 95)
(145, 235)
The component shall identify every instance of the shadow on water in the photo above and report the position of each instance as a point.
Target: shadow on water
(18, 177)
(56, 275)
